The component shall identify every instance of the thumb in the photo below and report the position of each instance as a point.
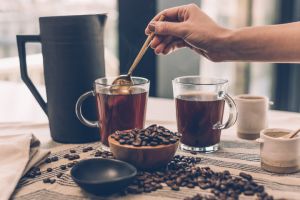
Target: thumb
(168, 28)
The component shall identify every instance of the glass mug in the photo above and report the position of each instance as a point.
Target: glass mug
(200, 105)
(118, 108)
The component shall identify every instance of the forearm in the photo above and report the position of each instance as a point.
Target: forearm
(274, 43)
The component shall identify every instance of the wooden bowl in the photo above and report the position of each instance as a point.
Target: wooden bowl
(143, 157)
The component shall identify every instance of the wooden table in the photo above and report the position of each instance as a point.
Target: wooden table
(235, 155)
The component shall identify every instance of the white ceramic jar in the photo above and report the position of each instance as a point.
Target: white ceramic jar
(277, 154)
(253, 115)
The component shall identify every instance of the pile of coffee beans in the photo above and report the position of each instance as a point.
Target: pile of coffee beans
(152, 136)
(183, 172)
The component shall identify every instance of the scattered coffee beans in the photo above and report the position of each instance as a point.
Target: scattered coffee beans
(66, 156)
(59, 175)
(152, 136)
(54, 159)
(49, 180)
(49, 169)
(183, 172)
(48, 160)
(46, 180)
(63, 167)
(87, 149)
(52, 180)
(73, 157)
(180, 172)
(104, 154)
(70, 165)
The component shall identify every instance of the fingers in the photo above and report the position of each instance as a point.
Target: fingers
(169, 28)
(156, 41)
(173, 46)
(167, 40)
(174, 14)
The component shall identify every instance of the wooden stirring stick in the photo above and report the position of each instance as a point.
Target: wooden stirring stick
(292, 134)
(143, 49)
(126, 78)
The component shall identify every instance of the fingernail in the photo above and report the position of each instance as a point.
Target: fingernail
(152, 26)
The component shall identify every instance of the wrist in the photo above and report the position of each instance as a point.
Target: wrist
(222, 45)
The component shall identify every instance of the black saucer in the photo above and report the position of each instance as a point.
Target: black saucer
(103, 176)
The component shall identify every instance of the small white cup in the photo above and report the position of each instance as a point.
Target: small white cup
(253, 115)
(277, 154)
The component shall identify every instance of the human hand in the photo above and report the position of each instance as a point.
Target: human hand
(187, 26)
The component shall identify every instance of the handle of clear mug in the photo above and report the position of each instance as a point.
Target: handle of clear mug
(78, 110)
(232, 114)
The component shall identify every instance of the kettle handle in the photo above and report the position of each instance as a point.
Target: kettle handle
(21, 41)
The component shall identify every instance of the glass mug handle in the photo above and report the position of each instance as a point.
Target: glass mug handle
(78, 110)
(232, 114)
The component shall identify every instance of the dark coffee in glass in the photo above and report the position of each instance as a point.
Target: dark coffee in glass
(199, 110)
(121, 112)
(196, 119)
(119, 107)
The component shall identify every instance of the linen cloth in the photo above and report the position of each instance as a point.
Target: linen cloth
(18, 154)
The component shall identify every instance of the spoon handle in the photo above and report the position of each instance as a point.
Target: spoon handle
(143, 49)
(293, 134)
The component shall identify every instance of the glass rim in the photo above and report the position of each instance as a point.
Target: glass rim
(96, 82)
(218, 81)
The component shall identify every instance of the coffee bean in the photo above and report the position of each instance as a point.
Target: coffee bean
(158, 186)
(52, 181)
(246, 176)
(204, 186)
(133, 189)
(35, 168)
(70, 165)
(31, 175)
(59, 175)
(260, 189)
(66, 156)
(90, 148)
(84, 150)
(49, 169)
(98, 153)
(137, 143)
(48, 160)
(248, 192)
(72, 151)
(76, 156)
(63, 167)
(54, 159)
(71, 157)
(46, 180)
(38, 173)
(175, 187)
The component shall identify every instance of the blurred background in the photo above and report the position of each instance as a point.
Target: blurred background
(124, 35)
